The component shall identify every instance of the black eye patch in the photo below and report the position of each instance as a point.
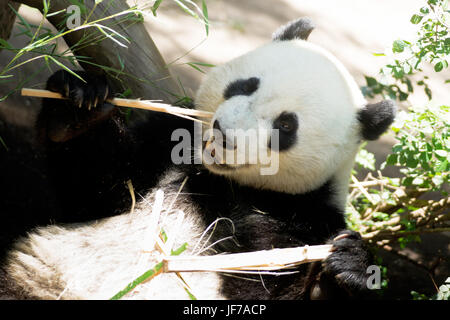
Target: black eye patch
(287, 126)
(243, 87)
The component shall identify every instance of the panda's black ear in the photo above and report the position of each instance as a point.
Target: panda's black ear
(376, 118)
(296, 29)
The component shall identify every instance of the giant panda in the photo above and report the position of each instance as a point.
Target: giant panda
(288, 86)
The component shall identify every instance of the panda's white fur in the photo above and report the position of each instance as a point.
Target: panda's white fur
(295, 76)
(96, 260)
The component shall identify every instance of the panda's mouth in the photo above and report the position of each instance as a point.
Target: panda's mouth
(226, 167)
(217, 162)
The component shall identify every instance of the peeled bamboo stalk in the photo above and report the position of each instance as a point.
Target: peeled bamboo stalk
(130, 103)
(265, 260)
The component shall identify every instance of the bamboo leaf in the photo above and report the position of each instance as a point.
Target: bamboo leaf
(4, 144)
(155, 6)
(100, 27)
(145, 276)
(65, 68)
(205, 16)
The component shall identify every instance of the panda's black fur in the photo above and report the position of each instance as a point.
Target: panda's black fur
(84, 156)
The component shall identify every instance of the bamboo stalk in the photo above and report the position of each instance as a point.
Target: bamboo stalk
(248, 261)
(130, 103)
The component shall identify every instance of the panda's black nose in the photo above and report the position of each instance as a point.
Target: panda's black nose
(216, 125)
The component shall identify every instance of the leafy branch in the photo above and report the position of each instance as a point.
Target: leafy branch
(432, 46)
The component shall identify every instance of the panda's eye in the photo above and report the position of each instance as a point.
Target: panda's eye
(285, 126)
(286, 122)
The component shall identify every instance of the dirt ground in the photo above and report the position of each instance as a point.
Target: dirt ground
(351, 29)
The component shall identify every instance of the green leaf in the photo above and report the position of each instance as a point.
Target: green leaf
(146, 275)
(407, 181)
(415, 19)
(203, 64)
(55, 13)
(391, 159)
(195, 67)
(46, 5)
(402, 96)
(205, 16)
(156, 6)
(428, 93)
(441, 153)
(22, 20)
(178, 251)
(5, 44)
(186, 9)
(122, 64)
(443, 166)
(65, 68)
(380, 216)
(438, 66)
(3, 144)
(371, 82)
(398, 46)
(424, 10)
(111, 36)
(412, 162)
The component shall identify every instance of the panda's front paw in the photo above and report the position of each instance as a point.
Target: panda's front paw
(348, 263)
(89, 94)
(85, 107)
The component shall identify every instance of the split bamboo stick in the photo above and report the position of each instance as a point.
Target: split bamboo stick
(130, 103)
(265, 260)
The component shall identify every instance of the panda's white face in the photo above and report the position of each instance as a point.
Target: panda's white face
(303, 91)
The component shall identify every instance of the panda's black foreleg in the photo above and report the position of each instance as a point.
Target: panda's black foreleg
(88, 147)
(344, 274)
(84, 107)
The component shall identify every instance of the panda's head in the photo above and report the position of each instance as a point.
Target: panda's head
(307, 96)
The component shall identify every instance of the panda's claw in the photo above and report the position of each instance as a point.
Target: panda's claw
(348, 262)
(90, 93)
(341, 236)
(61, 123)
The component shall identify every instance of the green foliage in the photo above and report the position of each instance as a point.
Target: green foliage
(423, 150)
(365, 159)
(191, 8)
(432, 46)
(391, 211)
(145, 276)
(43, 41)
(43, 44)
(422, 155)
(149, 274)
